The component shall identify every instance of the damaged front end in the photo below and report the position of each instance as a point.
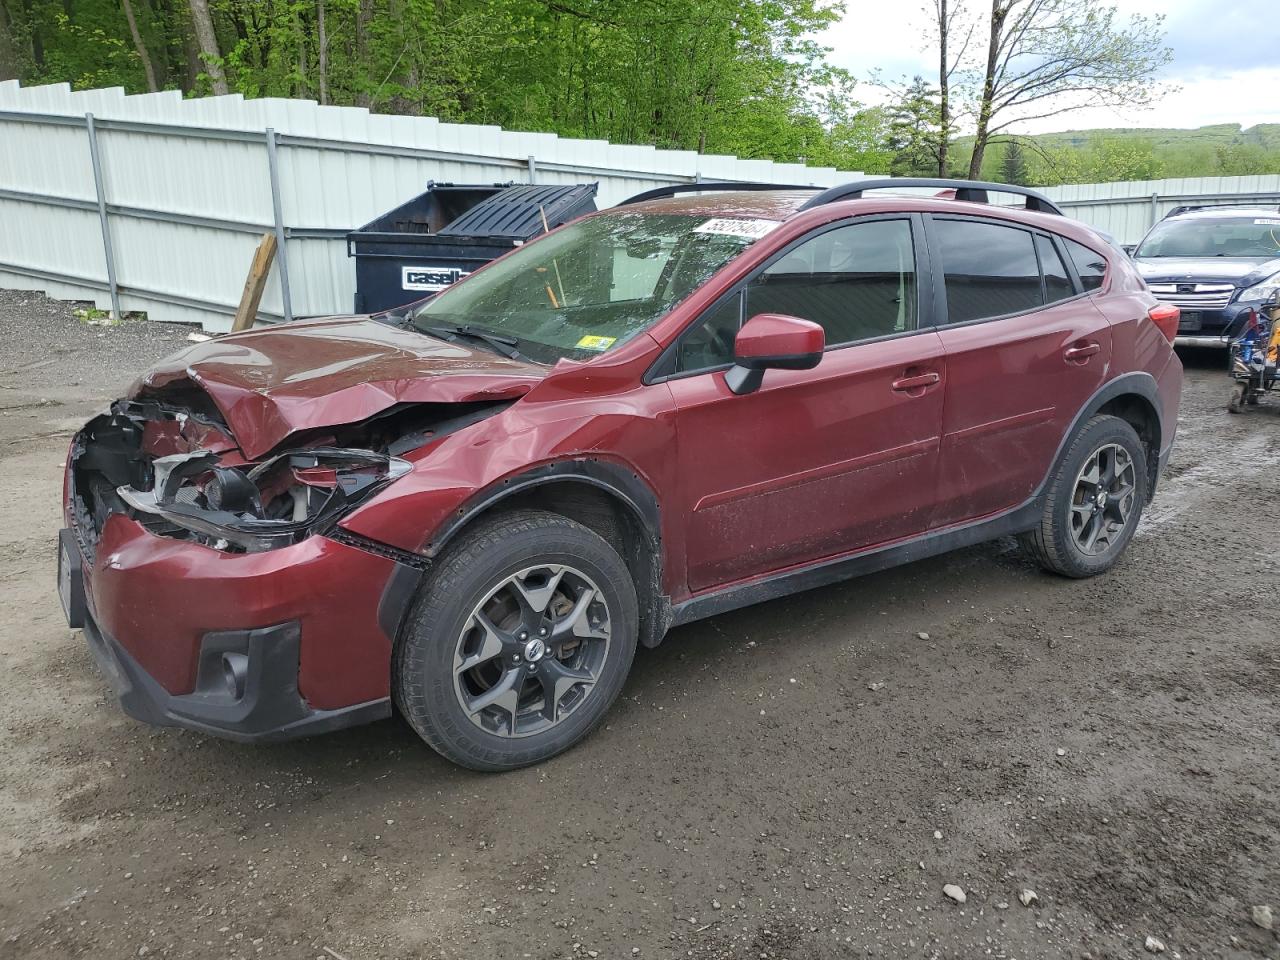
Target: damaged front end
(272, 504)
(176, 469)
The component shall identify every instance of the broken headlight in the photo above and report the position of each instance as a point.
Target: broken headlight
(271, 504)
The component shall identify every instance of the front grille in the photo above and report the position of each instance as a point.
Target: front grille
(1194, 296)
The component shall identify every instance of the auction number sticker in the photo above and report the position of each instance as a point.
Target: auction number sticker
(596, 343)
(751, 229)
(1268, 222)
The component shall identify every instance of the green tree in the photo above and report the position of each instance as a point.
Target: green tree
(1013, 168)
(724, 76)
(952, 29)
(1045, 58)
(1244, 159)
(915, 131)
(1104, 160)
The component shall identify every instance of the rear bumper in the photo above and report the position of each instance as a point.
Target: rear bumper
(263, 706)
(1167, 399)
(1164, 461)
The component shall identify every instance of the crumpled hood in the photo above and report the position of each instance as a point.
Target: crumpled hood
(273, 382)
(1235, 270)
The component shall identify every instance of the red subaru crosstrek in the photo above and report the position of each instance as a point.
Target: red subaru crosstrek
(475, 508)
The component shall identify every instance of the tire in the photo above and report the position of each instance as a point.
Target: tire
(472, 637)
(1077, 537)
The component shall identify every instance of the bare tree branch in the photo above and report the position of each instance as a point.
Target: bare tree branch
(1056, 54)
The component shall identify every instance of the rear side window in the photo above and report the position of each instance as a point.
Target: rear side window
(1057, 282)
(990, 270)
(1091, 266)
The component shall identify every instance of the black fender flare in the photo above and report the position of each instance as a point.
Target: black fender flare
(622, 483)
(1140, 384)
(613, 478)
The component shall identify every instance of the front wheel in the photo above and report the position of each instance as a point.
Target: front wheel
(519, 642)
(1094, 501)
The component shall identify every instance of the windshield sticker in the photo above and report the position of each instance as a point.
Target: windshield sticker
(751, 229)
(1273, 222)
(596, 343)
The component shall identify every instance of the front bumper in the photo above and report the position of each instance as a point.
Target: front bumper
(253, 647)
(1212, 328)
(264, 707)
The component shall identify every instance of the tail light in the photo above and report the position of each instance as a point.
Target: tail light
(1165, 316)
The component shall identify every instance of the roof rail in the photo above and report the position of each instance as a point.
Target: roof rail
(973, 191)
(1242, 205)
(659, 193)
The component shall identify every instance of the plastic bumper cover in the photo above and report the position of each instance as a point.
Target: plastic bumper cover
(247, 688)
(1213, 328)
(253, 647)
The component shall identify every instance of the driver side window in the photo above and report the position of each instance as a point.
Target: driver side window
(857, 282)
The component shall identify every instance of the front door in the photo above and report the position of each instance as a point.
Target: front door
(816, 462)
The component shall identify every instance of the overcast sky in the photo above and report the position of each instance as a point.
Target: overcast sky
(1226, 59)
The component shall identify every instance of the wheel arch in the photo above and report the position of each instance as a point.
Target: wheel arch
(607, 498)
(1134, 398)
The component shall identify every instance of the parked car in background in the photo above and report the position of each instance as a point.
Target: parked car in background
(475, 508)
(1216, 263)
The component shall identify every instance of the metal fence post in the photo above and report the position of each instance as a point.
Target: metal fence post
(101, 190)
(533, 170)
(273, 166)
(1155, 208)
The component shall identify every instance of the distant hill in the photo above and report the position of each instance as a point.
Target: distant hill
(1265, 135)
(1127, 153)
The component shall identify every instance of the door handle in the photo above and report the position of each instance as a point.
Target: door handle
(917, 382)
(1082, 352)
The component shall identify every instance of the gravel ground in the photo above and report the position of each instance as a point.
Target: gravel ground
(1113, 745)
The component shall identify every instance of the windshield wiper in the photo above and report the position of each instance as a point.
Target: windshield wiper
(396, 318)
(500, 344)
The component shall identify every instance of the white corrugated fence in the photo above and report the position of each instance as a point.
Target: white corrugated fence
(1127, 210)
(155, 203)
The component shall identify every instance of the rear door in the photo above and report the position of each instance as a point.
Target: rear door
(816, 462)
(1025, 348)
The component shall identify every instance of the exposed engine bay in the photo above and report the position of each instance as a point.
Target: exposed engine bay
(173, 465)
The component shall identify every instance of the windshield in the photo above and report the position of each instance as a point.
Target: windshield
(593, 285)
(1237, 237)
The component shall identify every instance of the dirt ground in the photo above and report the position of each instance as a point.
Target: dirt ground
(1113, 745)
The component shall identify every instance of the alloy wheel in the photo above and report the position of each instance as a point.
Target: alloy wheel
(1103, 499)
(531, 652)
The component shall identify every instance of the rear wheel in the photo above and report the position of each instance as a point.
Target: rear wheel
(1094, 501)
(519, 643)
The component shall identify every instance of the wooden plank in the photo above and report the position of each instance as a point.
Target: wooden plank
(255, 283)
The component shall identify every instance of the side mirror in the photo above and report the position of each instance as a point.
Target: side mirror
(773, 341)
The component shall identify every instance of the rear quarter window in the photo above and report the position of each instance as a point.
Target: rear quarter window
(1057, 282)
(1091, 265)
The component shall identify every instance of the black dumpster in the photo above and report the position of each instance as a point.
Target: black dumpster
(424, 245)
